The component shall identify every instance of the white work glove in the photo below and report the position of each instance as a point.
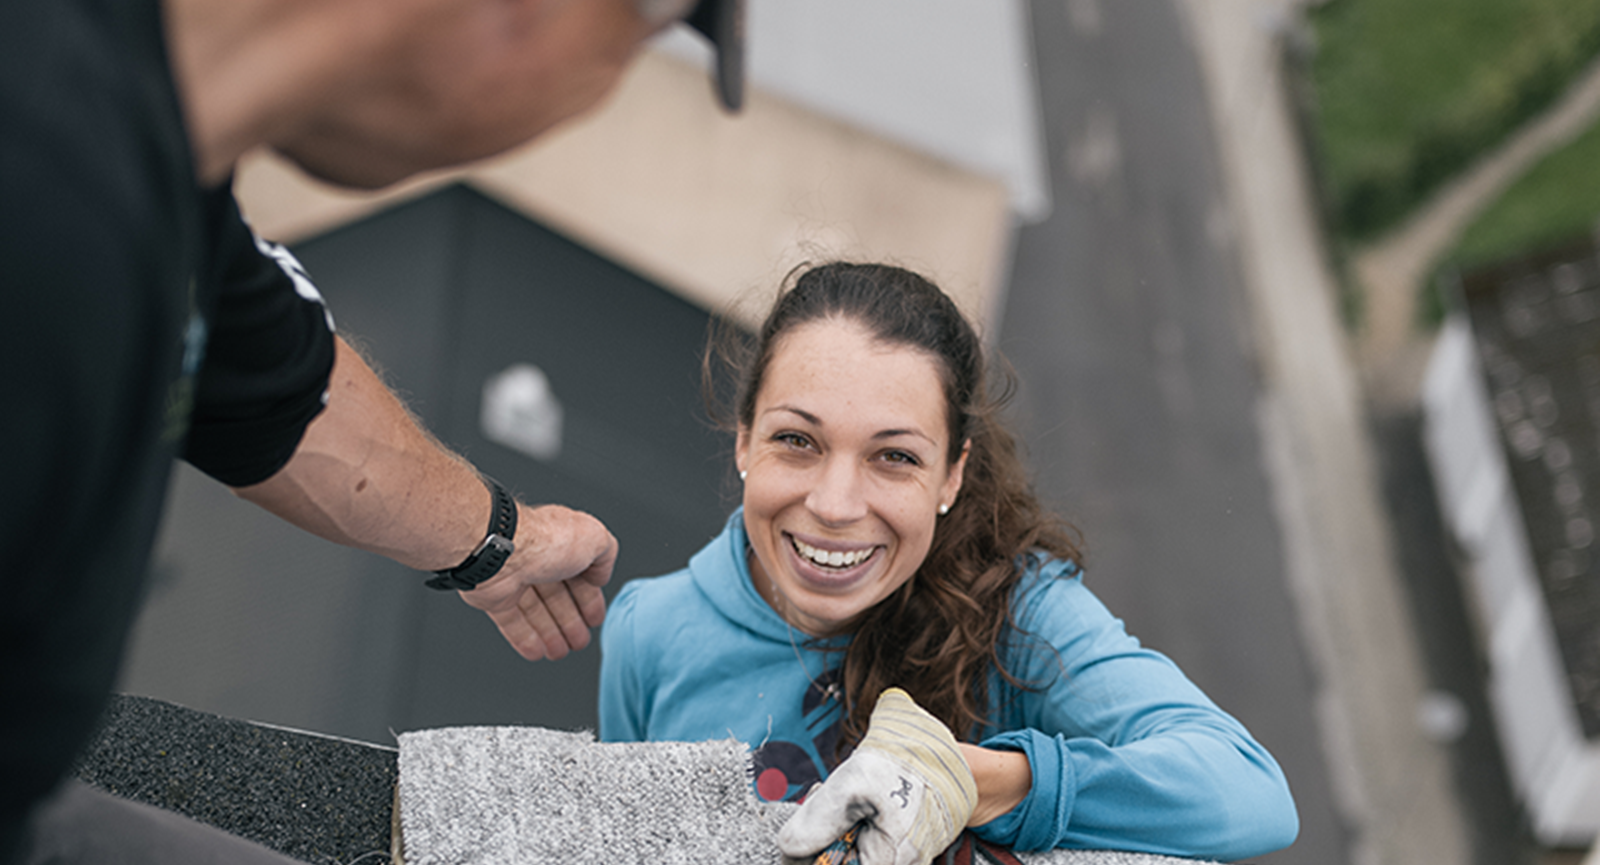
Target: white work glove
(907, 780)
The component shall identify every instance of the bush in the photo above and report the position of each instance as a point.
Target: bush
(1556, 201)
(1407, 93)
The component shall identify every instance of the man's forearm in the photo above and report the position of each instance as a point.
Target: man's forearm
(367, 475)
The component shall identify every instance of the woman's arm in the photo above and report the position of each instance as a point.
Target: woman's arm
(1003, 778)
(1125, 752)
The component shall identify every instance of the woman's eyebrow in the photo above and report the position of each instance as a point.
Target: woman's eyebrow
(808, 417)
(896, 433)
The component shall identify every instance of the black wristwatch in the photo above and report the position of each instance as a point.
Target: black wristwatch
(497, 546)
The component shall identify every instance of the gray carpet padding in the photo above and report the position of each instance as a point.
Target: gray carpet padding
(508, 795)
(530, 796)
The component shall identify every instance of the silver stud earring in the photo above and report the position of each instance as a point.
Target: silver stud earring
(944, 509)
(743, 474)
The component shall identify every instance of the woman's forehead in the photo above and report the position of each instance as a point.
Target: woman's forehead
(835, 368)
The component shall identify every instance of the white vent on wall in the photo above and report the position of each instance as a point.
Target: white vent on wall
(521, 412)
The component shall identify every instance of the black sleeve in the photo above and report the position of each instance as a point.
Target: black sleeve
(269, 354)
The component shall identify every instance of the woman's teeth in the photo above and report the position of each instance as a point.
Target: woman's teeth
(833, 558)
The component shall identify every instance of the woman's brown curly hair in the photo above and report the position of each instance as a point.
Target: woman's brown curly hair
(940, 634)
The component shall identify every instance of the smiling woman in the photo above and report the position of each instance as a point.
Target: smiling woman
(891, 594)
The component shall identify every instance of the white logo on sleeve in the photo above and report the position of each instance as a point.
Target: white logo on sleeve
(296, 272)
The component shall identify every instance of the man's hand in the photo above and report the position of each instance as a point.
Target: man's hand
(548, 595)
(907, 784)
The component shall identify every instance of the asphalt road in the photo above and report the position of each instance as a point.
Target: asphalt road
(1128, 326)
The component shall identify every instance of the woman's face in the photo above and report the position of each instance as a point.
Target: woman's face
(845, 463)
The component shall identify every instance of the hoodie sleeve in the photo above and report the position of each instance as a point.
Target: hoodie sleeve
(622, 714)
(1126, 752)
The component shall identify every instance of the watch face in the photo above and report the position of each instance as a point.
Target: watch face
(484, 563)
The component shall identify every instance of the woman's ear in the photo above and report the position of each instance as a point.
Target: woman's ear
(741, 449)
(952, 482)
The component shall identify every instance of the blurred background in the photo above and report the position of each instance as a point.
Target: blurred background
(1303, 298)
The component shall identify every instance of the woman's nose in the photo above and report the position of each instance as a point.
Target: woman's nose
(838, 497)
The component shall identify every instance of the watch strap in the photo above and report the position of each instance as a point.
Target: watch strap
(486, 560)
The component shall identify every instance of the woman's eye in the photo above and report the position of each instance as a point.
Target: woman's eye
(792, 439)
(901, 458)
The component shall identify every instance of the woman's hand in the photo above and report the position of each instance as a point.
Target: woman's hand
(1003, 778)
(906, 784)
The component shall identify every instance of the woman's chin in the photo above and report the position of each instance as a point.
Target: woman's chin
(823, 608)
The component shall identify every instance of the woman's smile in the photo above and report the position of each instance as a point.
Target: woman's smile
(832, 567)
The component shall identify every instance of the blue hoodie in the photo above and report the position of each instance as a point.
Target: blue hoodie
(1126, 752)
